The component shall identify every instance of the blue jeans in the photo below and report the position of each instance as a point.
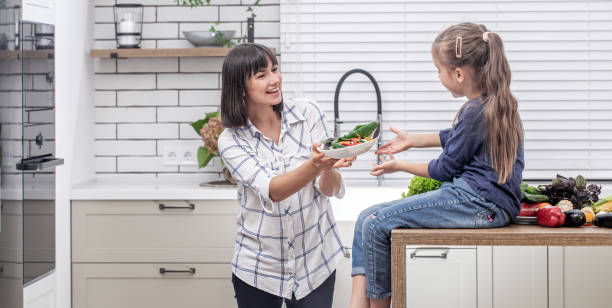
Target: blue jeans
(454, 205)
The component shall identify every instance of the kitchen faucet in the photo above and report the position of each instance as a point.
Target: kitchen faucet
(337, 120)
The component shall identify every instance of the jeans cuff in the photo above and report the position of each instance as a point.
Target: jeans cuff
(378, 296)
(358, 270)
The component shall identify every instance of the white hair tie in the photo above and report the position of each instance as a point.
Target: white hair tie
(485, 36)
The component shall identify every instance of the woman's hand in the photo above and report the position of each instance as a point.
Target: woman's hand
(322, 162)
(401, 142)
(385, 167)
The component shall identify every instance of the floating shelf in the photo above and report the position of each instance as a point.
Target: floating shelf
(30, 54)
(160, 53)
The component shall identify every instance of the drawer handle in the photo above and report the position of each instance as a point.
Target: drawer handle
(1, 269)
(191, 270)
(443, 253)
(162, 207)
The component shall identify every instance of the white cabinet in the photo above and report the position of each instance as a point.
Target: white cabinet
(439, 277)
(579, 276)
(152, 253)
(519, 277)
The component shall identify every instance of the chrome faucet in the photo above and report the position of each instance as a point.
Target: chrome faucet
(337, 120)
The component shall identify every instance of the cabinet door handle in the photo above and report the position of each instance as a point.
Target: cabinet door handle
(443, 253)
(191, 270)
(162, 207)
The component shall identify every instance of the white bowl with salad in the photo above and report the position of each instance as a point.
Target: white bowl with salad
(358, 141)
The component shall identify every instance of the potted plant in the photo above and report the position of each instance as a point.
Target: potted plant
(223, 41)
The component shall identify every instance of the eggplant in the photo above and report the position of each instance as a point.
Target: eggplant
(574, 218)
(603, 220)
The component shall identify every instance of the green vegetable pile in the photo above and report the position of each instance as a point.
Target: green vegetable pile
(360, 131)
(419, 185)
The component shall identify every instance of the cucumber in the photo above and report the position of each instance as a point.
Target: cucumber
(536, 198)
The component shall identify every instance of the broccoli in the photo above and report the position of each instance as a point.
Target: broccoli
(419, 185)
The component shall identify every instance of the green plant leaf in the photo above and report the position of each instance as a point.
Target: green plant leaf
(203, 157)
(197, 125)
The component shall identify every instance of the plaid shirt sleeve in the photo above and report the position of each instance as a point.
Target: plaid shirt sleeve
(318, 132)
(245, 166)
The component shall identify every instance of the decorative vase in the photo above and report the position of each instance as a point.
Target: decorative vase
(228, 176)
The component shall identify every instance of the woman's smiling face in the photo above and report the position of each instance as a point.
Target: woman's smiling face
(264, 86)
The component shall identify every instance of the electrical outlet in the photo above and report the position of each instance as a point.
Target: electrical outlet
(189, 156)
(171, 155)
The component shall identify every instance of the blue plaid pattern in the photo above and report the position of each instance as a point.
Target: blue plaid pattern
(285, 247)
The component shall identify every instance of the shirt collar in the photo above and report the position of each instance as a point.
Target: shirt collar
(290, 115)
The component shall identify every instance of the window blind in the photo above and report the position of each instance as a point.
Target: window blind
(560, 53)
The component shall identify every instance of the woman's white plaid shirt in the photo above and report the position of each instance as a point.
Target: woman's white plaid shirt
(290, 246)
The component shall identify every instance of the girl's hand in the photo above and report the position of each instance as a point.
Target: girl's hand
(385, 167)
(322, 162)
(402, 141)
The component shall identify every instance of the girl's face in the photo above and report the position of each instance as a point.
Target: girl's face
(452, 80)
(264, 86)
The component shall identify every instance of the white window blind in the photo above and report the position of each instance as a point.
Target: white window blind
(560, 53)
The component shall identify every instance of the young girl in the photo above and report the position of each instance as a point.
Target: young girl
(481, 161)
(287, 243)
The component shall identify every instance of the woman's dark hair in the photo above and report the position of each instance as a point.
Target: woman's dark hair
(240, 63)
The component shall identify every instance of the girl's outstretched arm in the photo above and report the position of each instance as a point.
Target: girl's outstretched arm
(394, 165)
(404, 141)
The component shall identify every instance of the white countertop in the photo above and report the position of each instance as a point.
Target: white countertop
(129, 189)
(358, 196)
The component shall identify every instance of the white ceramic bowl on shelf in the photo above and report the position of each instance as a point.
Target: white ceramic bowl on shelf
(206, 38)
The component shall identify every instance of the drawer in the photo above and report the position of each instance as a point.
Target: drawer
(153, 231)
(11, 231)
(432, 271)
(142, 285)
(10, 284)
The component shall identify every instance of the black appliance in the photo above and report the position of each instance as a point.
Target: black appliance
(27, 162)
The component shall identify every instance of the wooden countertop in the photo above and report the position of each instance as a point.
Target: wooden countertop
(513, 235)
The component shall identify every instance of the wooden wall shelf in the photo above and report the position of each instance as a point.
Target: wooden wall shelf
(30, 54)
(160, 53)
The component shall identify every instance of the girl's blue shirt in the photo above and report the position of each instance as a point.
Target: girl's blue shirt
(465, 155)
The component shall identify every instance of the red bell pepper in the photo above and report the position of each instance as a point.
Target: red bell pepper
(550, 216)
(528, 209)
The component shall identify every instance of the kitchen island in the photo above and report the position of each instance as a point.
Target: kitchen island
(551, 262)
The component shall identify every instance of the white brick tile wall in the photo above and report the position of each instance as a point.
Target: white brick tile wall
(148, 131)
(148, 98)
(195, 65)
(266, 29)
(182, 114)
(160, 30)
(187, 132)
(105, 14)
(150, 2)
(104, 31)
(106, 164)
(124, 147)
(196, 14)
(148, 65)
(105, 98)
(188, 81)
(174, 44)
(105, 131)
(239, 13)
(200, 97)
(123, 115)
(124, 81)
(142, 105)
(105, 65)
(143, 164)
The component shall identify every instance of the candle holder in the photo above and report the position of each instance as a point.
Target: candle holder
(128, 24)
